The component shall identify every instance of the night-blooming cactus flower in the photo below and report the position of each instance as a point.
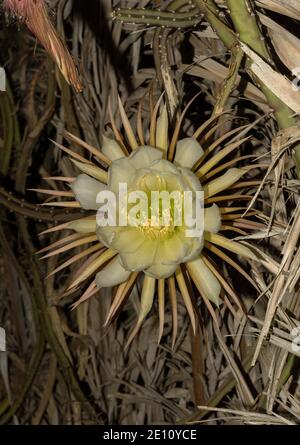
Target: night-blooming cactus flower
(120, 254)
(150, 244)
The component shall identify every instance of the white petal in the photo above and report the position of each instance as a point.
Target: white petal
(144, 156)
(205, 280)
(190, 179)
(121, 171)
(145, 178)
(112, 274)
(169, 254)
(196, 249)
(168, 178)
(128, 240)
(172, 250)
(159, 271)
(164, 166)
(188, 152)
(212, 219)
(112, 149)
(106, 234)
(142, 259)
(86, 190)
(223, 182)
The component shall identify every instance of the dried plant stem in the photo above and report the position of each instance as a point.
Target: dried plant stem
(245, 22)
(45, 329)
(242, 14)
(45, 320)
(34, 284)
(8, 129)
(36, 360)
(38, 213)
(11, 131)
(224, 389)
(38, 350)
(198, 368)
(230, 81)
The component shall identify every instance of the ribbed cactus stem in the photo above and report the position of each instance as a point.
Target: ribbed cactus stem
(214, 17)
(176, 5)
(167, 19)
(246, 24)
(229, 83)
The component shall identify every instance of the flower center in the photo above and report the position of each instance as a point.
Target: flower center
(161, 213)
(156, 233)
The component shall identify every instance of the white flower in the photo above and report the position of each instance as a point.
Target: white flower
(162, 253)
(157, 251)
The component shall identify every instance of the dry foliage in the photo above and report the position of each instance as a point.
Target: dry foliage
(62, 366)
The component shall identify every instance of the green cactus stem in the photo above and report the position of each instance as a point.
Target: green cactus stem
(242, 13)
(167, 19)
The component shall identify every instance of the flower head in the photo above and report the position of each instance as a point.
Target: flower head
(148, 246)
(154, 239)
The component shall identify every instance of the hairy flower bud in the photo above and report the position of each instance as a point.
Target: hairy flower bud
(35, 15)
